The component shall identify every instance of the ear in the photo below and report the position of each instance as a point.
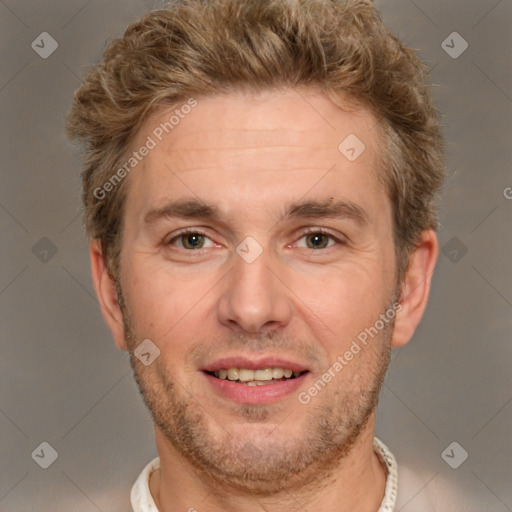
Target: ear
(106, 292)
(415, 288)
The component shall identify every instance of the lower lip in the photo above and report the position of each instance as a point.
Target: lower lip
(255, 395)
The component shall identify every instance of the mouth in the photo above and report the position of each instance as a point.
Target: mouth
(255, 382)
(258, 377)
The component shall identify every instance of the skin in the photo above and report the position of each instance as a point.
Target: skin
(252, 156)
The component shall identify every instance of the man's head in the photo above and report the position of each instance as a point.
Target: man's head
(260, 186)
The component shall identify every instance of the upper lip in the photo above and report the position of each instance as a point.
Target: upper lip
(253, 363)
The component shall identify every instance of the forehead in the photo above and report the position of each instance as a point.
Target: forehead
(287, 139)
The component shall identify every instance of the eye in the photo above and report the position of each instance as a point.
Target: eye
(317, 240)
(191, 240)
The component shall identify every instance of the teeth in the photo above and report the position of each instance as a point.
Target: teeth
(245, 375)
(255, 377)
(232, 374)
(277, 373)
(265, 374)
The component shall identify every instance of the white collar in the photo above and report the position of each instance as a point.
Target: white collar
(142, 501)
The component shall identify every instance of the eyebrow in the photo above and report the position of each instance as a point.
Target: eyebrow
(329, 209)
(187, 208)
(196, 209)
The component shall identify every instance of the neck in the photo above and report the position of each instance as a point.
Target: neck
(357, 483)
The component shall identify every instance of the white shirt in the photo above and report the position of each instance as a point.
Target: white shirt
(142, 501)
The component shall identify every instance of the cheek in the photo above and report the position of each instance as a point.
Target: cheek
(171, 308)
(155, 301)
(343, 302)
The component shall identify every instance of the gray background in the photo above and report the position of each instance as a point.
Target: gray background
(64, 382)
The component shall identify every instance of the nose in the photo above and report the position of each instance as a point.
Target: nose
(253, 298)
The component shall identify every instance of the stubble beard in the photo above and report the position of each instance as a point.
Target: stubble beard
(273, 464)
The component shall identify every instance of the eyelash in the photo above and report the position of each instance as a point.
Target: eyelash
(306, 232)
(321, 231)
(187, 231)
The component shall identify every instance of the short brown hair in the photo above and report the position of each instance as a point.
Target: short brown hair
(207, 47)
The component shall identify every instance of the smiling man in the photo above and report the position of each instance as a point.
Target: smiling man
(260, 185)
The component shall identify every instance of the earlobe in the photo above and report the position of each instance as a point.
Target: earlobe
(106, 292)
(415, 288)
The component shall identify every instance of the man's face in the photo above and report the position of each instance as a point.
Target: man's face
(252, 242)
